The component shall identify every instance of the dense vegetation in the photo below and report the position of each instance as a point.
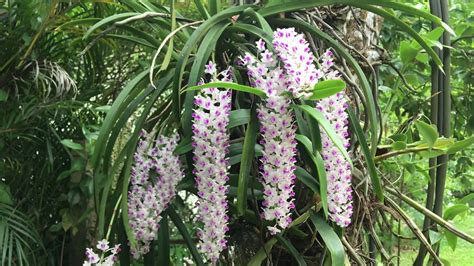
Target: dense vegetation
(79, 81)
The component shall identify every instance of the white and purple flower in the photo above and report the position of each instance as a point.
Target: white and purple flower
(151, 193)
(278, 137)
(338, 169)
(102, 258)
(297, 60)
(298, 75)
(211, 142)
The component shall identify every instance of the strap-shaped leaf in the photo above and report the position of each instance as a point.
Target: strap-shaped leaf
(307, 179)
(214, 6)
(330, 238)
(292, 250)
(319, 164)
(169, 53)
(238, 117)
(189, 46)
(272, 9)
(261, 254)
(109, 20)
(178, 222)
(163, 242)
(246, 163)
(374, 177)
(202, 10)
(230, 85)
(254, 30)
(261, 21)
(202, 56)
(122, 101)
(327, 127)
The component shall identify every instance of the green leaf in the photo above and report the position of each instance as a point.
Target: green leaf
(5, 195)
(408, 52)
(183, 147)
(319, 164)
(330, 238)
(399, 145)
(445, 262)
(108, 20)
(285, 6)
(121, 102)
(307, 179)
(431, 153)
(374, 177)
(460, 145)
(178, 222)
(260, 21)
(71, 144)
(254, 30)
(323, 183)
(202, 10)
(467, 199)
(423, 58)
(104, 108)
(246, 163)
(261, 254)
(435, 237)
(454, 211)
(432, 37)
(428, 132)
(324, 123)
(181, 63)
(230, 85)
(314, 133)
(452, 239)
(293, 251)
(326, 88)
(214, 6)
(169, 52)
(238, 117)
(3, 95)
(204, 51)
(163, 242)
(399, 137)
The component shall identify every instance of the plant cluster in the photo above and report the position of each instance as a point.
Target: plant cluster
(202, 133)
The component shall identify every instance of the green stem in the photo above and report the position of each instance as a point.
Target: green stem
(436, 218)
(400, 152)
(435, 110)
(441, 172)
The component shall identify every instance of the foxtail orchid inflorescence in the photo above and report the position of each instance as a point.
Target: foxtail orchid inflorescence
(338, 169)
(100, 258)
(211, 142)
(298, 61)
(154, 177)
(278, 137)
(299, 64)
